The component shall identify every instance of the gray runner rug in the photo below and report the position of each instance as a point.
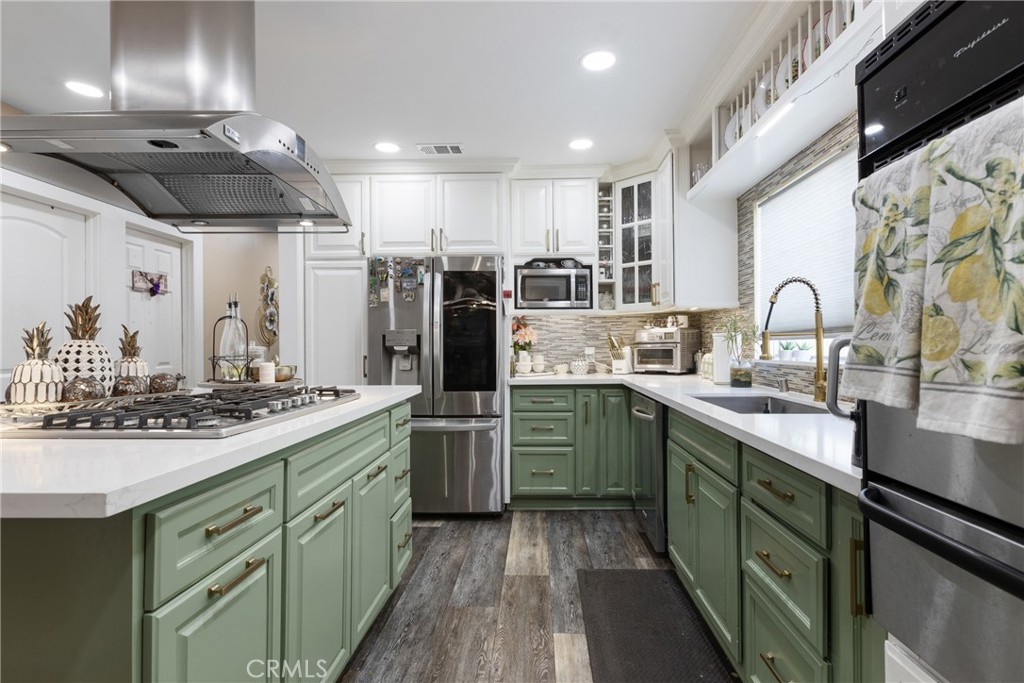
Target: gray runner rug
(642, 626)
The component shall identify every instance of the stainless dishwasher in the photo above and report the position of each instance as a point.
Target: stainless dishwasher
(647, 418)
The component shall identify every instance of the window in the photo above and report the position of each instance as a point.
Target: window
(807, 230)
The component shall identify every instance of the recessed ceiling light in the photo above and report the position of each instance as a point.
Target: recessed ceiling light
(306, 223)
(597, 61)
(4, 147)
(83, 89)
(387, 147)
(581, 144)
(873, 128)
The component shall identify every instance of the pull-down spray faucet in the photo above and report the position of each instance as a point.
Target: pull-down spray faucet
(819, 334)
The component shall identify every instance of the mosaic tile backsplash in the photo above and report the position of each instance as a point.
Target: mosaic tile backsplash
(562, 337)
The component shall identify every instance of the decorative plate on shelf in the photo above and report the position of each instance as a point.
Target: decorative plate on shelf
(763, 95)
(730, 131)
(782, 79)
(830, 35)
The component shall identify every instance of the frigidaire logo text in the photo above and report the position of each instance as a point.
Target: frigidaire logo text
(980, 38)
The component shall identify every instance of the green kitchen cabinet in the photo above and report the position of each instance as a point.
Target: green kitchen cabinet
(614, 444)
(226, 627)
(542, 471)
(588, 440)
(371, 534)
(716, 565)
(318, 551)
(680, 503)
(858, 641)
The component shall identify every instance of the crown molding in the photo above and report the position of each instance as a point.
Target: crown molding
(539, 171)
(662, 147)
(385, 166)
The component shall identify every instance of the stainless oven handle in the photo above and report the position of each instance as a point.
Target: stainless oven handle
(996, 572)
(642, 415)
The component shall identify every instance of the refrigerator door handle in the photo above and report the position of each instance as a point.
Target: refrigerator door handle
(436, 323)
(832, 377)
(996, 572)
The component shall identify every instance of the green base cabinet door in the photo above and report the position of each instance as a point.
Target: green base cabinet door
(681, 511)
(615, 454)
(858, 641)
(318, 550)
(371, 535)
(774, 652)
(587, 443)
(717, 564)
(227, 627)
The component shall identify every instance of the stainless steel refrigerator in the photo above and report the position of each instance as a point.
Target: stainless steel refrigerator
(433, 321)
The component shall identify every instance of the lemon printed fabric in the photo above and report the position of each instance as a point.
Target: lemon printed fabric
(972, 335)
(892, 205)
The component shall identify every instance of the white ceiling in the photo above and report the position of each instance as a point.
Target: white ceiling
(502, 78)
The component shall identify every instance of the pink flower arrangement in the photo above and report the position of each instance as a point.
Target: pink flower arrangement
(523, 336)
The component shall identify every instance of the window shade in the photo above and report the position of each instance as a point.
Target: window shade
(807, 230)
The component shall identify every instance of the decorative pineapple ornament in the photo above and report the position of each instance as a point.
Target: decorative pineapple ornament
(83, 356)
(36, 380)
(130, 365)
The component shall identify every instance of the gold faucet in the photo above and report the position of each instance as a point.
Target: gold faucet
(819, 334)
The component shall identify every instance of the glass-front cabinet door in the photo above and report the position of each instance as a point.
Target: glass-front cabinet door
(643, 221)
(635, 227)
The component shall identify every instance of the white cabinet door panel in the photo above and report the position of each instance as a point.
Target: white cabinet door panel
(335, 322)
(531, 218)
(43, 259)
(470, 218)
(575, 216)
(355, 192)
(158, 318)
(664, 214)
(403, 214)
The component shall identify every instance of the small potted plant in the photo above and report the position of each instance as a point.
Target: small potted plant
(803, 351)
(787, 350)
(740, 335)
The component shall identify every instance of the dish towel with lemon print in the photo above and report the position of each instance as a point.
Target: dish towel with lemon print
(940, 282)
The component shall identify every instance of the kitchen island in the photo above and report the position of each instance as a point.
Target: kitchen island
(205, 559)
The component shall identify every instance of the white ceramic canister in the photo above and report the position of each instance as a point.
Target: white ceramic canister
(720, 358)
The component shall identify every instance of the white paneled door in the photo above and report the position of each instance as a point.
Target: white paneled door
(336, 322)
(43, 258)
(158, 318)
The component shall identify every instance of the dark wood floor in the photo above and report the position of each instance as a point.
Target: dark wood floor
(496, 599)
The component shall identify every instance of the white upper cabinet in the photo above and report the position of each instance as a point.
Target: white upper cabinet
(403, 213)
(355, 192)
(335, 322)
(455, 213)
(471, 213)
(554, 217)
(643, 220)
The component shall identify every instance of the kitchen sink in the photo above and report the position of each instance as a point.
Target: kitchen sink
(772, 405)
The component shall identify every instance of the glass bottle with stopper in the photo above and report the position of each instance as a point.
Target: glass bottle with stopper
(232, 359)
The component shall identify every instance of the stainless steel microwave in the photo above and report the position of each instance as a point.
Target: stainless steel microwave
(553, 283)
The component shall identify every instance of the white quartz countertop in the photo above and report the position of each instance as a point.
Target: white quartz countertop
(819, 444)
(102, 477)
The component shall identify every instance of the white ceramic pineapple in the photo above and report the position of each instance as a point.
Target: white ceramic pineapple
(129, 364)
(36, 380)
(83, 356)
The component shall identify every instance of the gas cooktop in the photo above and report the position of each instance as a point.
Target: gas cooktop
(209, 415)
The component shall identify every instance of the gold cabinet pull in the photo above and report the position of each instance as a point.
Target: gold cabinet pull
(766, 557)
(549, 473)
(690, 499)
(542, 428)
(433, 239)
(401, 423)
(547, 240)
(856, 606)
(335, 506)
(542, 400)
(251, 565)
(403, 475)
(785, 496)
(248, 512)
(362, 244)
(769, 660)
(376, 473)
(557, 240)
(405, 541)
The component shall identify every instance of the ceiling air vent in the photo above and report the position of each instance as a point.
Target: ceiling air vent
(440, 150)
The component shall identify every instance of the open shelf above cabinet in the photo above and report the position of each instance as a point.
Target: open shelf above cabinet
(819, 99)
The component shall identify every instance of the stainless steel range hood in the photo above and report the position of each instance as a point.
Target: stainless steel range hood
(181, 146)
